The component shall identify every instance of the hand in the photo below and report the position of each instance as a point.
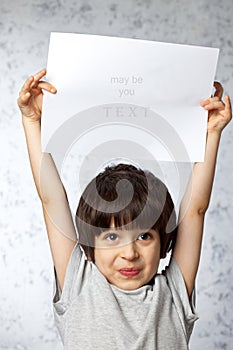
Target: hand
(220, 113)
(31, 96)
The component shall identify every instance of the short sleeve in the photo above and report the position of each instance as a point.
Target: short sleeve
(61, 299)
(185, 306)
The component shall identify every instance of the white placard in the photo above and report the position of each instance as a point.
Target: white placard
(149, 90)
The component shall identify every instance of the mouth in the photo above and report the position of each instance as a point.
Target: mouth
(129, 271)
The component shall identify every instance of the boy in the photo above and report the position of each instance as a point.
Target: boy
(113, 298)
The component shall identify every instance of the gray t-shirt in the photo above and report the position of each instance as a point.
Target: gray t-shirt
(93, 314)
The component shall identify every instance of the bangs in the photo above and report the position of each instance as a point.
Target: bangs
(132, 217)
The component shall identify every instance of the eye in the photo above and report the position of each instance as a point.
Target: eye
(111, 237)
(145, 236)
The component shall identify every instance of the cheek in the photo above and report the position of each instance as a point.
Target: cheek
(152, 257)
(103, 258)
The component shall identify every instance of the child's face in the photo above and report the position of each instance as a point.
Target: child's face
(128, 259)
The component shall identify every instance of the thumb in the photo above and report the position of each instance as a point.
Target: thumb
(218, 90)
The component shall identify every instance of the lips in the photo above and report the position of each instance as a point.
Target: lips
(129, 271)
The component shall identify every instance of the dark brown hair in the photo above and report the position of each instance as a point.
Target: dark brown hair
(134, 198)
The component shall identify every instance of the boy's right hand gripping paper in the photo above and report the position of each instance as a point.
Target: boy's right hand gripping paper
(127, 98)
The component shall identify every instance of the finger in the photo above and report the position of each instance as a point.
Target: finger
(23, 99)
(37, 88)
(218, 89)
(46, 86)
(33, 79)
(215, 105)
(228, 108)
(27, 84)
(39, 75)
(27, 89)
(209, 100)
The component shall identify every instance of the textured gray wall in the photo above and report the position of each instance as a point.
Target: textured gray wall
(26, 320)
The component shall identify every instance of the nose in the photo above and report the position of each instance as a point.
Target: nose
(129, 251)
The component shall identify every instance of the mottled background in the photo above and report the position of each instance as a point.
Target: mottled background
(26, 270)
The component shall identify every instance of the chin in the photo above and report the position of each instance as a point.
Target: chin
(129, 285)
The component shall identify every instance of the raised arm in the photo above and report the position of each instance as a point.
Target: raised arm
(56, 211)
(197, 196)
